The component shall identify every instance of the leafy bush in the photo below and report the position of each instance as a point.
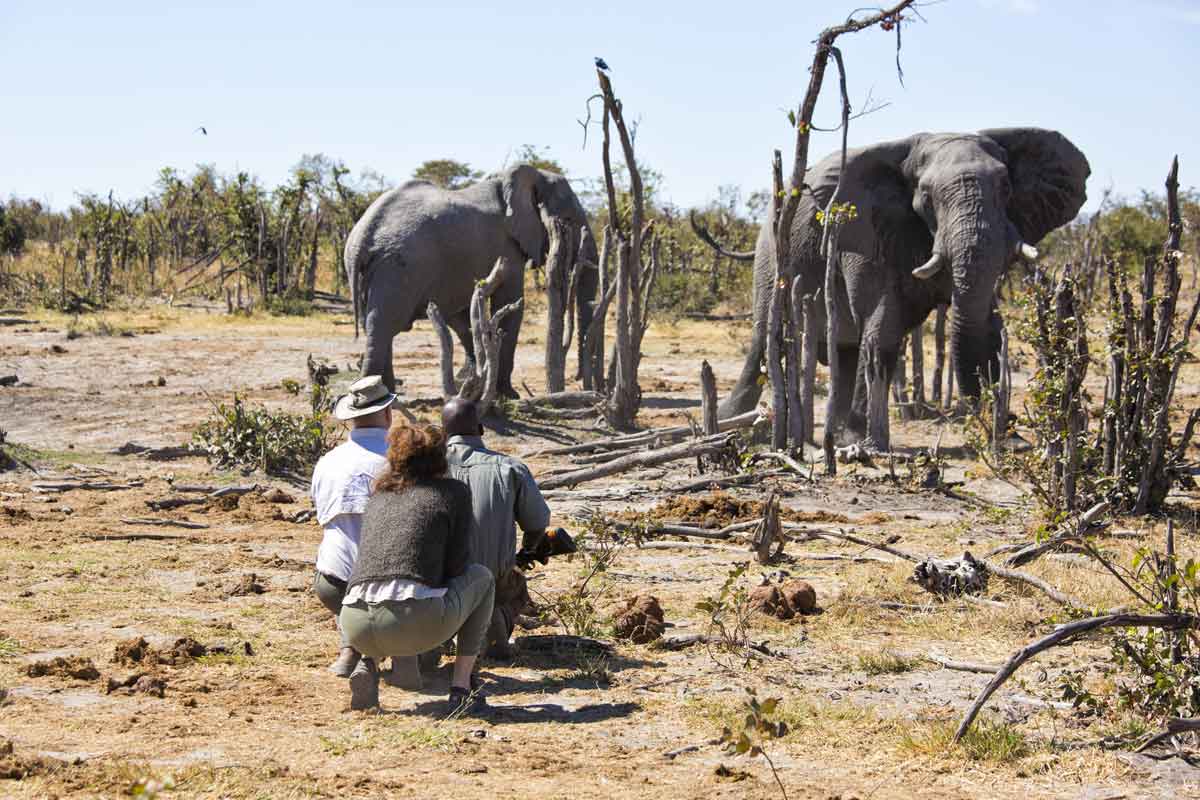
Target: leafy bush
(278, 443)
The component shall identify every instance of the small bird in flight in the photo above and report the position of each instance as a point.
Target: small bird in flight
(202, 129)
(600, 64)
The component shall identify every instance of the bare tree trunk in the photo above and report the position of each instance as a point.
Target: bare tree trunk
(900, 385)
(558, 264)
(447, 348)
(918, 372)
(625, 396)
(832, 264)
(939, 354)
(809, 369)
(795, 368)
(708, 399)
(775, 319)
(486, 333)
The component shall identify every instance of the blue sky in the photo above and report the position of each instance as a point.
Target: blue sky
(100, 96)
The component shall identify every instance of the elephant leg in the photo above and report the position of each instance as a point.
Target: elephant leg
(511, 290)
(843, 390)
(385, 310)
(880, 351)
(460, 323)
(856, 419)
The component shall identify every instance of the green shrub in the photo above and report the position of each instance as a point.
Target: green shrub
(274, 441)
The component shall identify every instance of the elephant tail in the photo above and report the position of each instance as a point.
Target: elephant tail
(354, 251)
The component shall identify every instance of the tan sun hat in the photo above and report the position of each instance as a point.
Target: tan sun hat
(367, 395)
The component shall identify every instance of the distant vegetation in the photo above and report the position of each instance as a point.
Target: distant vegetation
(230, 237)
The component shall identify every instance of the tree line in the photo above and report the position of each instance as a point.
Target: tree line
(231, 235)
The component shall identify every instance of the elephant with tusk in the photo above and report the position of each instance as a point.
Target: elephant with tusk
(420, 242)
(940, 217)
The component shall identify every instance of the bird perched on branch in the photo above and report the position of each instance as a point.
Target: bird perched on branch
(600, 64)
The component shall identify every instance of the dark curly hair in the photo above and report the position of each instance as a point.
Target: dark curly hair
(416, 453)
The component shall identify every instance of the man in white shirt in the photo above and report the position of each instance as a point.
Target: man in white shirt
(341, 485)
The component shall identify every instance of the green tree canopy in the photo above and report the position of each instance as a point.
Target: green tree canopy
(447, 173)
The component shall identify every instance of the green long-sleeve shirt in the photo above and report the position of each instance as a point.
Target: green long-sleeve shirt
(503, 496)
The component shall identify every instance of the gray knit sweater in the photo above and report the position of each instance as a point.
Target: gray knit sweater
(420, 533)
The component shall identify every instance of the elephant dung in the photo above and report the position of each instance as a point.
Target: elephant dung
(792, 598)
(641, 620)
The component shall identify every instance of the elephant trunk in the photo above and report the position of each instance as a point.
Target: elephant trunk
(978, 244)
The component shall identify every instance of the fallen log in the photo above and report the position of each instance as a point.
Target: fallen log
(153, 453)
(995, 569)
(561, 400)
(168, 523)
(961, 666)
(135, 537)
(1175, 727)
(741, 478)
(88, 486)
(1035, 549)
(652, 436)
(781, 457)
(1065, 634)
(706, 446)
(167, 503)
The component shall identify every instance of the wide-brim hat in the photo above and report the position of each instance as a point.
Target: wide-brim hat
(366, 396)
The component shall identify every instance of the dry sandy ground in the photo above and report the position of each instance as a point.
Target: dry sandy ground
(262, 717)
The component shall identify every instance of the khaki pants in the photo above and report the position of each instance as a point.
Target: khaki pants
(410, 627)
(330, 592)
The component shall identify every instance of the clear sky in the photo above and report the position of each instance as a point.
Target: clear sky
(97, 96)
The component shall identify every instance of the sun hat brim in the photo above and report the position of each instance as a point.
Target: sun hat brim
(343, 409)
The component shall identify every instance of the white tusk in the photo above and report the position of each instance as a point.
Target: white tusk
(929, 268)
(1026, 251)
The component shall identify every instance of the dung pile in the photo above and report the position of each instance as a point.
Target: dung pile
(641, 620)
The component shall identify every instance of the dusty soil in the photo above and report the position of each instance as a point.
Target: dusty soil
(211, 648)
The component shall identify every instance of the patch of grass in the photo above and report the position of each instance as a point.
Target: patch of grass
(887, 663)
(9, 647)
(430, 737)
(987, 740)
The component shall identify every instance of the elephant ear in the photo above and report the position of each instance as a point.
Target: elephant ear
(1049, 176)
(520, 186)
(878, 184)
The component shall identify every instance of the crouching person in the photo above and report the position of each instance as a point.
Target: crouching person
(504, 496)
(412, 587)
(341, 486)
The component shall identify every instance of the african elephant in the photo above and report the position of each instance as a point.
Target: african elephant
(939, 219)
(420, 242)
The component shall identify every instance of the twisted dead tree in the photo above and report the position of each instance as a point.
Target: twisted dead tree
(625, 396)
(481, 386)
(785, 204)
(560, 282)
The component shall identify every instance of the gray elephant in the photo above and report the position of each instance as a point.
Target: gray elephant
(419, 242)
(939, 218)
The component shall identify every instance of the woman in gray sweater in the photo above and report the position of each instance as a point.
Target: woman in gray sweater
(411, 588)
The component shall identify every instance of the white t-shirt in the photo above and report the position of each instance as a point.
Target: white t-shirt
(341, 486)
